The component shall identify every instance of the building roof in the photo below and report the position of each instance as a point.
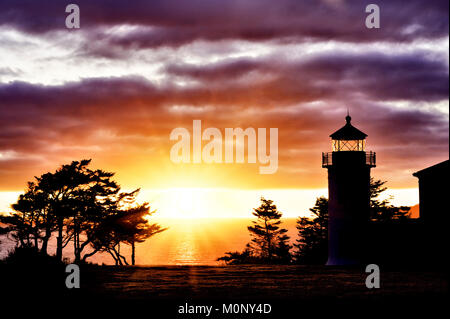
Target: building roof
(440, 168)
(348, 132)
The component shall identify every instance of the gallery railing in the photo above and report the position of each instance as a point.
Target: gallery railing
(327, 159)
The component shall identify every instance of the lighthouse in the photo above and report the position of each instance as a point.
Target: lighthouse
(348, 168)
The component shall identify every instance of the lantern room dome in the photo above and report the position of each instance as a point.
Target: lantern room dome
(348, 144)
(348, 132)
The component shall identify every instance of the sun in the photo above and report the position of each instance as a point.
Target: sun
(185, 203)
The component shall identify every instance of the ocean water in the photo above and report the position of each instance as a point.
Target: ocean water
(185, 242)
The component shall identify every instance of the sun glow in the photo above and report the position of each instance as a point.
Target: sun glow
(200, 203)
(185, 203)
(211, 203)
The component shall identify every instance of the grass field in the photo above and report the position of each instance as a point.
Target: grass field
(255, 281)
(288, 289)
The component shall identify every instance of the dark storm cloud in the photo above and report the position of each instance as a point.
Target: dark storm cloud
(416, 76)
(174, 23)
(305, 97)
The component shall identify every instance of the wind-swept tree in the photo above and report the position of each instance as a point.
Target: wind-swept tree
(107, 238)
(78, 203)
(136, 227)
(98, 197)
(62, 189)
(129, 226)
(32, 222)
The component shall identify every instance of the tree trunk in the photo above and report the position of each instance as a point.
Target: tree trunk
(45, 240)
(268, 240)
(59, 239)
(86, 256)
(133, 253)
(75, 246)
(36, 242)
(111, 252)
(124, 260)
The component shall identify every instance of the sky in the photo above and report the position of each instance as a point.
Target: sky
(113, 90)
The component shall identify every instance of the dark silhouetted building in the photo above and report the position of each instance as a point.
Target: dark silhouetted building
(353, 238)
(348, 190)
(433, 208)
(433, 189)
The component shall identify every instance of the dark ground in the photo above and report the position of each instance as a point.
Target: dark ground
(258, 281)
(289, 289)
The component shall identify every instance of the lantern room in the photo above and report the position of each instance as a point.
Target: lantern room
(348, 138)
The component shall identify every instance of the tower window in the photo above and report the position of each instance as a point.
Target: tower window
(348, 145)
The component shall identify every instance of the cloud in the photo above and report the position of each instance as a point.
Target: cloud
(116, 117)
(415, 76)
(207, 74)
(9, 71)
(175, 23)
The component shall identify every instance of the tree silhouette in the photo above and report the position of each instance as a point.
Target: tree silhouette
(266, 232)
(107, 238)
(32, 221)
(78, 204)
(115, 230)
(312, 242)
(62, 191)
(269, 243)
(135, 227)
(282, 250)
(383, 210)
(244, 257)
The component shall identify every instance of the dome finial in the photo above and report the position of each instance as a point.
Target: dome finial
(348, 118)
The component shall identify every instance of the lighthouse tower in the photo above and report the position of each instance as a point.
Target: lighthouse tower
(348, 190)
